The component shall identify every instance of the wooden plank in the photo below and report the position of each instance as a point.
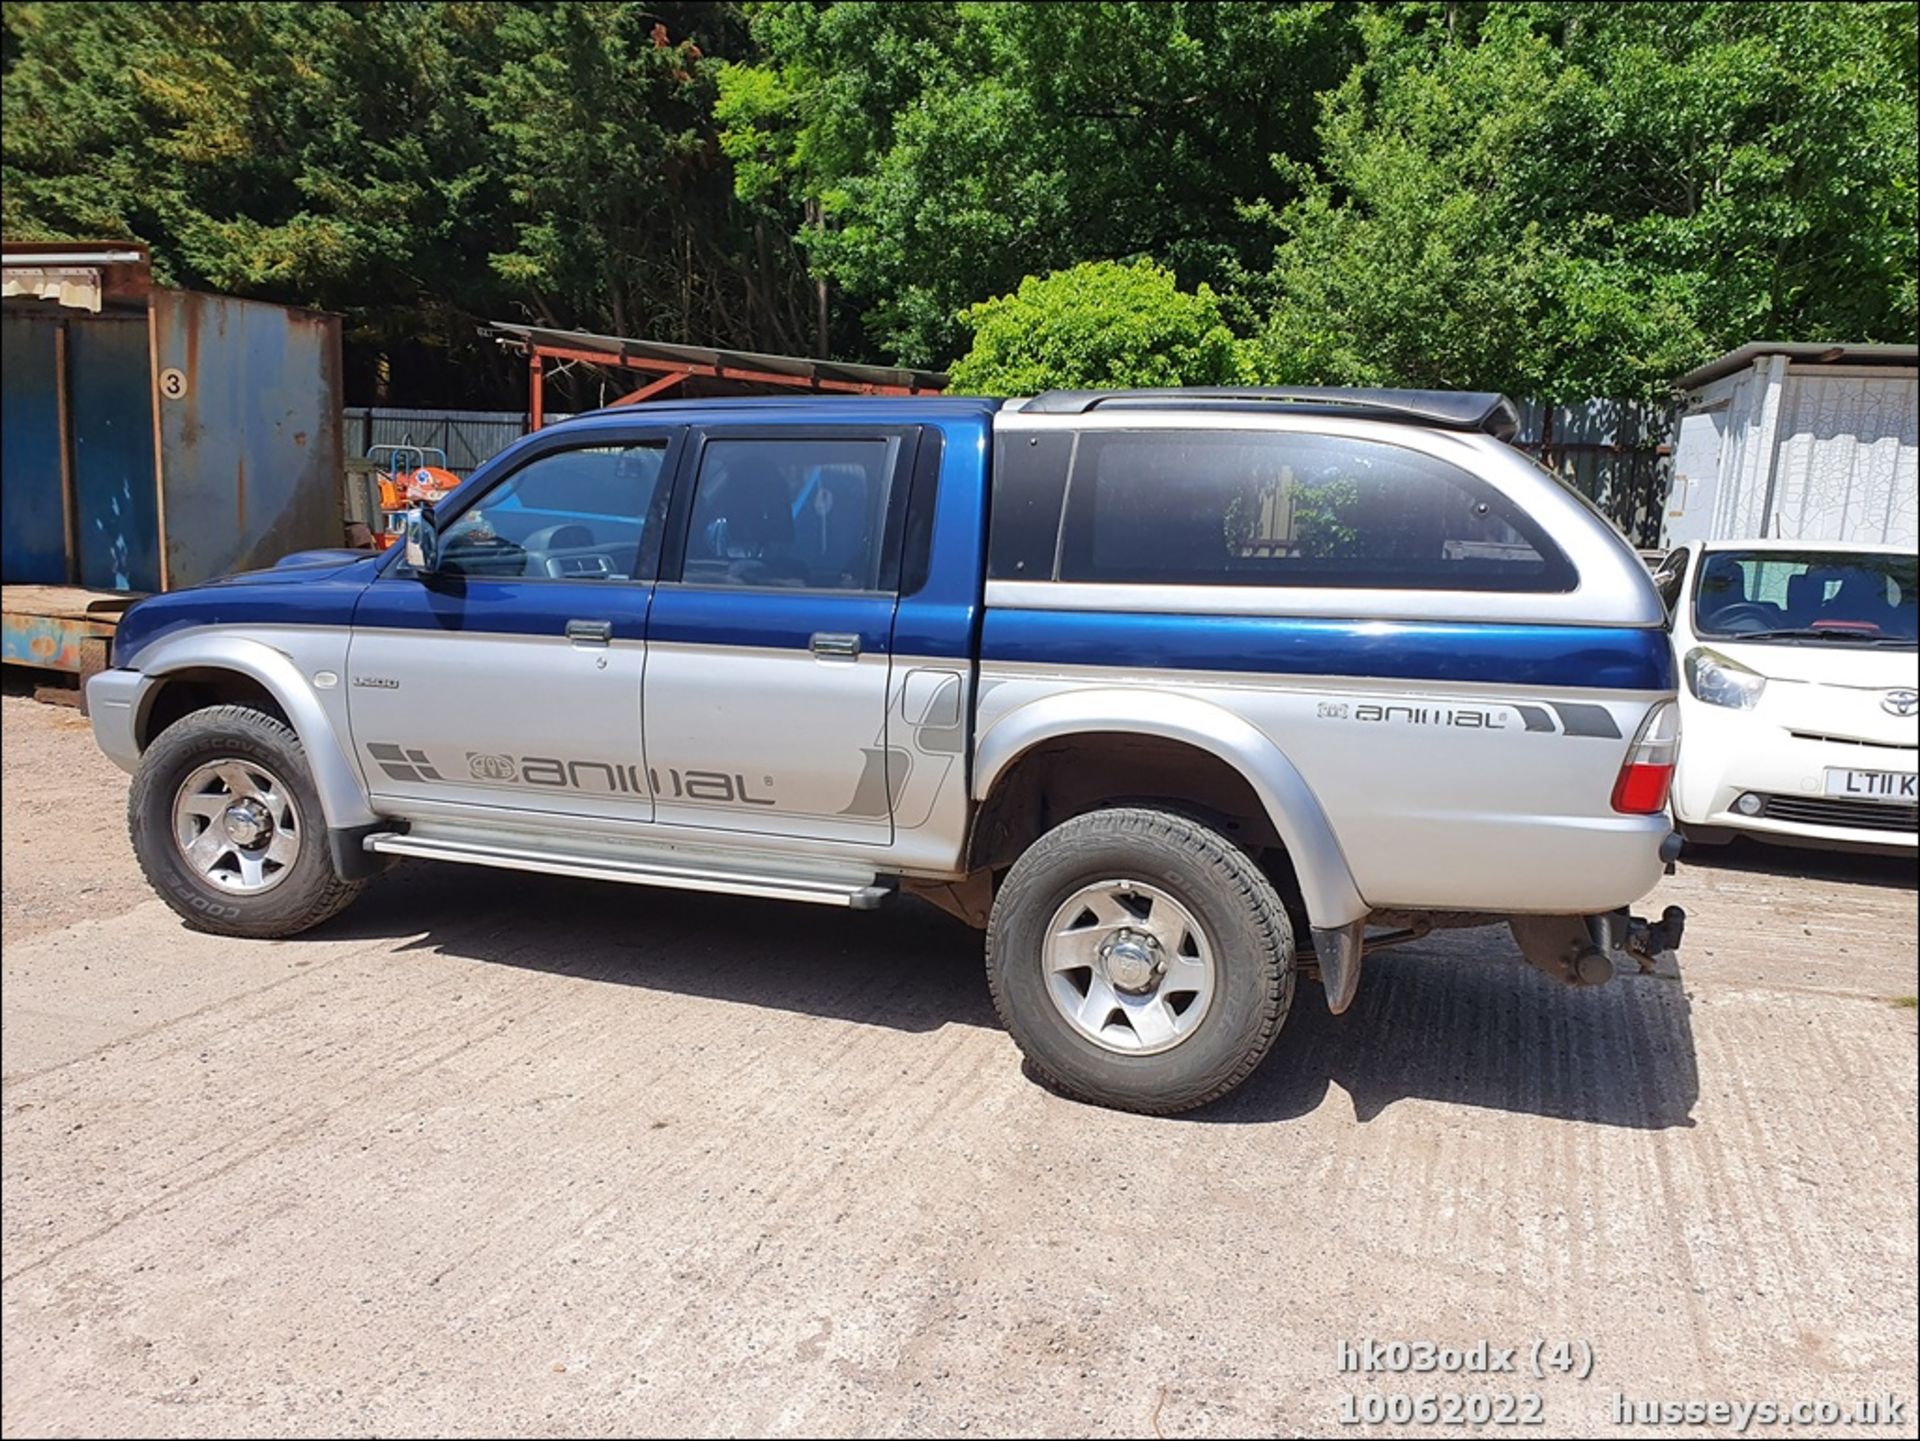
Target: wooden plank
(66, 602)
(59, 627)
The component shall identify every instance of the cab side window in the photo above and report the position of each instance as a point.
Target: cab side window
(790, 512)
(1247, 508)
(579, 514)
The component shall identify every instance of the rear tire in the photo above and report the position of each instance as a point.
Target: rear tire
(1140, 960)
(227, 825)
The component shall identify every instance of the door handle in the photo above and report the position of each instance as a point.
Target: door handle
(828, 643)
(590, 632)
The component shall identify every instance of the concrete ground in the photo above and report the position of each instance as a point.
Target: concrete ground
(496, 1154)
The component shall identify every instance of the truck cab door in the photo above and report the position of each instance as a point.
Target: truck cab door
(504, 687)
(770, 640)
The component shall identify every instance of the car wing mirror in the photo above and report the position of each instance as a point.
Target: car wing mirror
(423, 541)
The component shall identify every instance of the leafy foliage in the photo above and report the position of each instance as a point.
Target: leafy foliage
(598, 123)
(934, 154)
(1321, 516)
(418, 167)
(1587, 200)
(1551, 198)
(1097, 324)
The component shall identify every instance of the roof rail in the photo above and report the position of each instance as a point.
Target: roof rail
(1447, 409)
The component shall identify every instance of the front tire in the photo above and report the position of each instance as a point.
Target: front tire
(1140, 960)
(227, 825)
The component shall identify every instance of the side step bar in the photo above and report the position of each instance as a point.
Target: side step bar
(858, 896)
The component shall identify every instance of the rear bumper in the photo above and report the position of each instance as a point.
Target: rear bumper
(114, 702)
(1517, 864)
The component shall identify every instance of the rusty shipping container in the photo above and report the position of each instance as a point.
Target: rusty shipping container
(152, 438)
(249, 450)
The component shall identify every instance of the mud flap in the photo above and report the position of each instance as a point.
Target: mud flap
(1337, 950)
(352, 861)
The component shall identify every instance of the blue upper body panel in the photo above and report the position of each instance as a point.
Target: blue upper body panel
(324, 588)
(1492, 653)
(319, 593)
(945, 617)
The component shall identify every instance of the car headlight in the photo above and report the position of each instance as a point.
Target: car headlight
(1717, 680)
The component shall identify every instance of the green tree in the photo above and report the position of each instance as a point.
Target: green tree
(310, 153)
(932, 154)
(1097, 324)
(419, 167)
(1552, 198)
(1565, 200)
(598, 123)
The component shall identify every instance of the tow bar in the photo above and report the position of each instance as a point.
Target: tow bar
(1591, 950)
(1579, 950)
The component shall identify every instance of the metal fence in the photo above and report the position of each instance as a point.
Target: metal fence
(469, 437)
(1618, 454)
(1614, 452)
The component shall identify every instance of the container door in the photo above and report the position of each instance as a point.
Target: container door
(111, 385)
(109, 415)
(1696, 475)
(33, 540)
(1847, 460)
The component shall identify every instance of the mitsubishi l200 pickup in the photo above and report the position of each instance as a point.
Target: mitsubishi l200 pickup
(1177, 695)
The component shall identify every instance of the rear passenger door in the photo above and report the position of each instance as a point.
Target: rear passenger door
(770, 640)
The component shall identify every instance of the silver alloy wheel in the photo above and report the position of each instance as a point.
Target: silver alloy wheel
(1129, 967)
(234, 823)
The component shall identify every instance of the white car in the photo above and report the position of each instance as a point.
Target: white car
(1800, 696)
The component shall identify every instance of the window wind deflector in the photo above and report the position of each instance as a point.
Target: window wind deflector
(1446, 409)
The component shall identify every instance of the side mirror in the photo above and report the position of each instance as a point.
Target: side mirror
(423, 541)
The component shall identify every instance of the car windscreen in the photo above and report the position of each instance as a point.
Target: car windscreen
(1806, 597)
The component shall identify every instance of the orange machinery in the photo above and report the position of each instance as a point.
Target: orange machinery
(406, 479)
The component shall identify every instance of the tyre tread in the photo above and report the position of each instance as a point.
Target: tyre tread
(327, 899)
(1236, 871)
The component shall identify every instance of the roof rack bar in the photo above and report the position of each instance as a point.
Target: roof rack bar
(1448, 409)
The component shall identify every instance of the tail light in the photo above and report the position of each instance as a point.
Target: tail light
(1647, 774)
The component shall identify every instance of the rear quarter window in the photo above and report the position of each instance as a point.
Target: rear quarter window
(1242, 508)
(1029, 481)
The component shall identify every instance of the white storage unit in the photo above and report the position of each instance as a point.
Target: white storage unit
(1799, 442)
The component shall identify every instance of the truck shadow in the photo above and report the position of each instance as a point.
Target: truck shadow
(1461, 1019)
(1457, 1018)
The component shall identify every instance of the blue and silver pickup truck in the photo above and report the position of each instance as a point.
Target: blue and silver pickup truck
(1177, 694)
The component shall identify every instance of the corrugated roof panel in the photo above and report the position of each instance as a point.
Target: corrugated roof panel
(1825, 353)
(799, 367)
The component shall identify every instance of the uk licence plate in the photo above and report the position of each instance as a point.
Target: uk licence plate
(1874, 786)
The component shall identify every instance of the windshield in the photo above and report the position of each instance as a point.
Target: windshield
(1807, 597)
